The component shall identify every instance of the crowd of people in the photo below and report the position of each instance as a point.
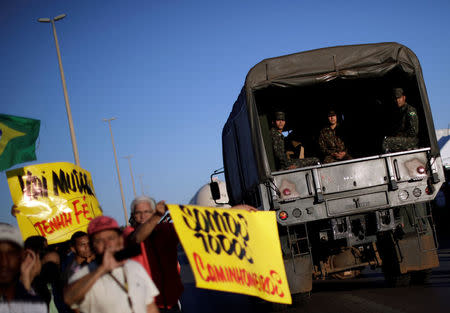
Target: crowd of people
(106, 269)
(109, 268)
(290, 154)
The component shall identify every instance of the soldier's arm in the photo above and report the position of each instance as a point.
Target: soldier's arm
(413, 130)
(279, 152)
(323, 144)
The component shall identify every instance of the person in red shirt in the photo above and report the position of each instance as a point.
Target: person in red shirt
(159, 243)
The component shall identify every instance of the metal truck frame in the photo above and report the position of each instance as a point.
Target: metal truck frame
(334, 219)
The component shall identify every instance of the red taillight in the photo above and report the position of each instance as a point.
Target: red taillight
(421, 170)
(286, 191)
(283, 215)
(428, 191)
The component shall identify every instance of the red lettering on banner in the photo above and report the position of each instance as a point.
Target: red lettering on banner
(82, 211)
(198, 260)
(60, 221)
(64, 220)
(213, 273)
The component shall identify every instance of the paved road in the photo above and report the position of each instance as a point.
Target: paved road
(368, 294)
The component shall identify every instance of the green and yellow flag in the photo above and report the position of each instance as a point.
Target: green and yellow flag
(17, 140)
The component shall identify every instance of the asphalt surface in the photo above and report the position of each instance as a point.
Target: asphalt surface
(368, 293)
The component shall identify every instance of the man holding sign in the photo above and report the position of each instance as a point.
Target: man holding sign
(160, 247)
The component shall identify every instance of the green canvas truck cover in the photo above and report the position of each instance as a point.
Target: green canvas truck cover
(244, 154)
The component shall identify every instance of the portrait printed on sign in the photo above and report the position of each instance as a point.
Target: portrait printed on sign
(54, 200)
(233, 250)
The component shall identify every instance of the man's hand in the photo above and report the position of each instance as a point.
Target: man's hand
(161, 208)
(14, 210)
(341, 155)
(26, 268)
(109, 262)
(75, 292)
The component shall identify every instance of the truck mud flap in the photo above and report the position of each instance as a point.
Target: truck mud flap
(417, 253)
(299, 273)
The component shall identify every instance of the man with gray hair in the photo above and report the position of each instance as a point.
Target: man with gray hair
(159, 243)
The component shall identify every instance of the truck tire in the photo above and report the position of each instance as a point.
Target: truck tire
(421, 277)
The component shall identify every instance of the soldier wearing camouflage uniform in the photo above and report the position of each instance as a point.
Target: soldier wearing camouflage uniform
(331, 145)
(406, 136)
(282, 161)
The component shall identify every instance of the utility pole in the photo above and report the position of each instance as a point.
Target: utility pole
(128, 157)
(142, 185)
(108, 120)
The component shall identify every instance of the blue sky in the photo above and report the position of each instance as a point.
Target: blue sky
(170, 70)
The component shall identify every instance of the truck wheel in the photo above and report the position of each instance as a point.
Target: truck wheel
(421, 277)
(397, 280)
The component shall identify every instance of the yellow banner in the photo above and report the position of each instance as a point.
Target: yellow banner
(233, 250)
(54, 200)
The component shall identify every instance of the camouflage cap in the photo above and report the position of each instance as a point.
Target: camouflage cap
(331, 112)
(279, 116)
(398, 92)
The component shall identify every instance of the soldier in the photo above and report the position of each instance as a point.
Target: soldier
(406, 136)
(282, 160)
(331, 144)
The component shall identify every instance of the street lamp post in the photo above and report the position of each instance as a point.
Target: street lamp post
(63, 79)
(108, 120)
(128, 157)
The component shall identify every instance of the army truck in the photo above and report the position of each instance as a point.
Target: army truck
(335, 219)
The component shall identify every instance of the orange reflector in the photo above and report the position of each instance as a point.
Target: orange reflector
(283, 215)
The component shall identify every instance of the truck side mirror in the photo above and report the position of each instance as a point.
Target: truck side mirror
(215, 191)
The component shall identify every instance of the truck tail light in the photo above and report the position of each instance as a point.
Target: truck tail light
(287, 190)
(421, 170)
(283, 215)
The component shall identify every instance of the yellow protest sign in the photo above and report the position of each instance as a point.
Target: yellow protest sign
(233, 250)
(54, 200)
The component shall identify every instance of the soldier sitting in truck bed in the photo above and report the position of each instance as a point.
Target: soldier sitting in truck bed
(282, 159)
(330, 141)
(406, 136)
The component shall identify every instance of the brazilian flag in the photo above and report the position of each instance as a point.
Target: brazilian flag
(17, 140)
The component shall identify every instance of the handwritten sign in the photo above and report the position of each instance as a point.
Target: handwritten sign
(54, 200)
(233, 250)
